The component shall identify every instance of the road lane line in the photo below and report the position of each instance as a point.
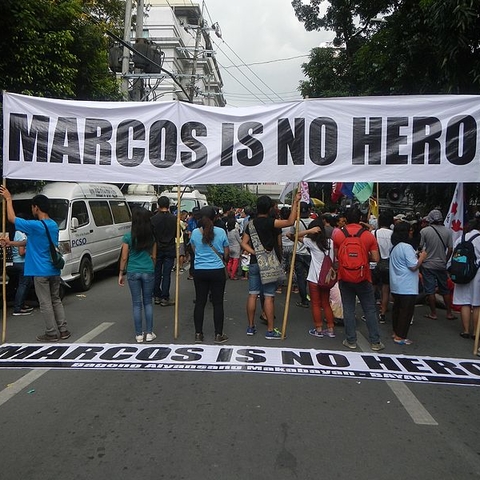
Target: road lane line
(410, 402)
(23, 382)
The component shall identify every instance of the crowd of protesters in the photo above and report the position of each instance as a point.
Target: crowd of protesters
(405, 261)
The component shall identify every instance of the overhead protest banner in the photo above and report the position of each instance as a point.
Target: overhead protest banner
(364, 139)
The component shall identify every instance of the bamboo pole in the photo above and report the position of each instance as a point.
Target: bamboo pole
(477, 332)
(4, 272)
(290, 275)
(177, 270)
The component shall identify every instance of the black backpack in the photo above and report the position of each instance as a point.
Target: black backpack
(464, 265)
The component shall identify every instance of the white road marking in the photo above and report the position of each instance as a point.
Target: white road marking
(410, 402)
(16, 387)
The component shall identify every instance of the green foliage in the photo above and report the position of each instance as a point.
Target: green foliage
(421, 47)
(51, 48)
(234, 195)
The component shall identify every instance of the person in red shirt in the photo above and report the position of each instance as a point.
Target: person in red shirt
(360, 287)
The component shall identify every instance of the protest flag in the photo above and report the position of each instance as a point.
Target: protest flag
(455, 219)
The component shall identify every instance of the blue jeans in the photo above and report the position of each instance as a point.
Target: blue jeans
(163, 272)
(302, 264)
(141, 288)
(24, 285)
(365, 293)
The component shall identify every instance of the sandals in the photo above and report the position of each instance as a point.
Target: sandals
(402, 341)
(430, 316)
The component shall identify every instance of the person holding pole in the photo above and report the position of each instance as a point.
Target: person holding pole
(38, 264)
(268, 229)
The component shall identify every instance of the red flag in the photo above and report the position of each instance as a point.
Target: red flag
(455, 219)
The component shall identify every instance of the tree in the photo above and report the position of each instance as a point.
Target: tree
(58, 49)
(51, 48)
(234, 195)
(420, 46)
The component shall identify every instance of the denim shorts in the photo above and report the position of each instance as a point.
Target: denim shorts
(432, 278)
(255, 286)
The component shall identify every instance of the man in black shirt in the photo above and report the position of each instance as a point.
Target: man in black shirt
(165, 230)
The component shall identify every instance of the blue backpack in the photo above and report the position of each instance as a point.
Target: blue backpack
(464, 263)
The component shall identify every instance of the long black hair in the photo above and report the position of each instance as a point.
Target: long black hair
(142, 234)
(319, 238)
(207, 214)
(401, 233)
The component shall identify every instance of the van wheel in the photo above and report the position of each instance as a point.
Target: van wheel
(86, 275)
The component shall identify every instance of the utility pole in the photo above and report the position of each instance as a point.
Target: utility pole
(126, 51)
(195, 55)
(138, 82)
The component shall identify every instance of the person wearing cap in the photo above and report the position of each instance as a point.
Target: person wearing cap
(210, 246)
(400, 217)
(436, 239)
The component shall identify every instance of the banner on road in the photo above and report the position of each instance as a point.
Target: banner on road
(243, 359)
(362, 139)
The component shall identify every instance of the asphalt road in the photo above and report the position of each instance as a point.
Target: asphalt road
(94, 424)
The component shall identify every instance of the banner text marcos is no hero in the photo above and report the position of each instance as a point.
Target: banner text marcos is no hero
(384, 139)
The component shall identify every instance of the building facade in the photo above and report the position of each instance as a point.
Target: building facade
(175, 36)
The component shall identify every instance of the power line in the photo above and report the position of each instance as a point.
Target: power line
(271, 61)
(244, 64)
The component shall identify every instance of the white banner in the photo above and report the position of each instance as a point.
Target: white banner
(364, 139)
(243, 359)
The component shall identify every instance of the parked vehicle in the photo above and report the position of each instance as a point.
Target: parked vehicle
(92, 219)
(142, 196)
(189, 198)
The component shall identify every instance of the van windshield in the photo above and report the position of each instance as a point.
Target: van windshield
(58, 210)
(187, 204)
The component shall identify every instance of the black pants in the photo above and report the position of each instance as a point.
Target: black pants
(209, 281)
(402, 313)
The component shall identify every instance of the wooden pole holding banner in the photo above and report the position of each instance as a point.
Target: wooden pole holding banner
(477, 333)
(4, 272)
(177, 269)
(290, 274)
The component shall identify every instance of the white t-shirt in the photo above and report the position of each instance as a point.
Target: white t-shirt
(384, 240)
(317, 258)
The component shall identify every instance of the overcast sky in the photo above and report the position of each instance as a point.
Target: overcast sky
(255, 31)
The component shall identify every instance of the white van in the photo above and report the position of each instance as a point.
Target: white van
(142, 196)
(189, 198)
(92, 219)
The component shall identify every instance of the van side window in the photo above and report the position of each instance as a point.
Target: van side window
(121, 212)
(101, 213)
(80, 212)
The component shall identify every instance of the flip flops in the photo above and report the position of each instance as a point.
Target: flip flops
(402, 341)
(430, 316)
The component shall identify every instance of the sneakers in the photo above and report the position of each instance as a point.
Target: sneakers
(274, 334)
(149, 337)
(198, 337)
(301, 304)
(157, 300)
(139, 338)
(23, 311)
(251, 330)
(381, 318)
(315, 333)
(27, 308)
(65, 334)
(377, 346)
(347, 344)
(220, 338)
(166, 303)
(47, 338)
(328, 333)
